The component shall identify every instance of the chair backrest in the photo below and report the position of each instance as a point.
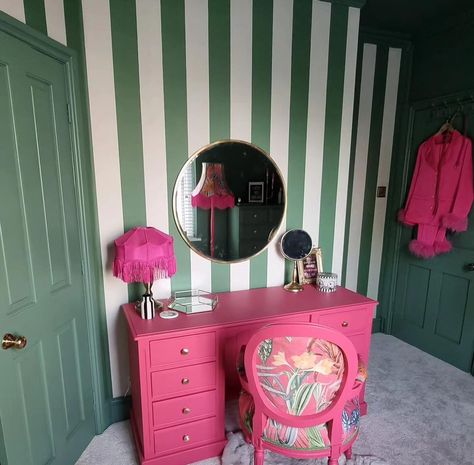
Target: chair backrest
(300, 374)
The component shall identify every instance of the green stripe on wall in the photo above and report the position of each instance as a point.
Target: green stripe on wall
(127, 97)
(127, 101)
(376, 121)
(35, 15)
(332, 131)
(300, 60)
(350, 185)
(262, 27)
(219, 100)
(176, 125)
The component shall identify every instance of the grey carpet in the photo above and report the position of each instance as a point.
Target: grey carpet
(421, 412)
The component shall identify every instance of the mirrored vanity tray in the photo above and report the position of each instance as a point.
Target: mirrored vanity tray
(193, 301)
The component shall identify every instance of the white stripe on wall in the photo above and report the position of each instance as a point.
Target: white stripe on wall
(318, 71)
(345, 141)
(13, 8)
(55, 21)
(240, 101)
(360, 166)
(100, 78)
(383, 176)
(150, 62)
(280, 116)
(197, 87)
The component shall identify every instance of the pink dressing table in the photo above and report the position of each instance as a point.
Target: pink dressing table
(183, 369)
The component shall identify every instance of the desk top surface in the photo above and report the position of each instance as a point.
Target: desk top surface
(241, 307)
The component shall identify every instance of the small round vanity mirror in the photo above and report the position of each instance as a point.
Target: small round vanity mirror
(229, 201)
(296, 244)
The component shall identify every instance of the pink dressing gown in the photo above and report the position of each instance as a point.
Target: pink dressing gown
(441, 192)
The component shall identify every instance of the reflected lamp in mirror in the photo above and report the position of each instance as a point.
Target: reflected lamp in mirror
(216, 214)
(143, 255)
(210, 193)
(296, 245)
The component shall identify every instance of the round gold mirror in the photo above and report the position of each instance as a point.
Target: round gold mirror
(229, 201)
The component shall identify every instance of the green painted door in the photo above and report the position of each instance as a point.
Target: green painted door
(46, 406)
(434, 299)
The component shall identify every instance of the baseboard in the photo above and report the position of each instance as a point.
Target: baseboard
(377, 325)
(120, 408)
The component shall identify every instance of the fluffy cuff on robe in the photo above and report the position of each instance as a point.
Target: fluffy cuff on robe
(442, 247)
(421, 249)
(454, 222)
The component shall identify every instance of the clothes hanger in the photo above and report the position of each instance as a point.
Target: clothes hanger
(448, 127)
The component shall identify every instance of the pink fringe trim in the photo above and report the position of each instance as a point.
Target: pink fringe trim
(442, 247)
(221, 202)
(454, 222)
(420, 249)
(145, 272)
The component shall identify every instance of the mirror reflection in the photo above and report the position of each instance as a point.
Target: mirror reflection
(229, 201)
(296, 244)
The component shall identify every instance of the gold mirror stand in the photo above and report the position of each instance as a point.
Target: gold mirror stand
(294, 285)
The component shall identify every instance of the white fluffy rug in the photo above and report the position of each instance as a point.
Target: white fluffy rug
(238, 452)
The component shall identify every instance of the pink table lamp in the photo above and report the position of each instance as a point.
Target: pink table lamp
(143, 255)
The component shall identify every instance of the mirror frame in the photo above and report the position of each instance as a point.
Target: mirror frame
(189, 161)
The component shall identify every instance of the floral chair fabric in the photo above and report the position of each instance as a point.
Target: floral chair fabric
(300, 376)
(312, 438)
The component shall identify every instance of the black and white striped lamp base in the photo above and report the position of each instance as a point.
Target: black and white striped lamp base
(147, 304)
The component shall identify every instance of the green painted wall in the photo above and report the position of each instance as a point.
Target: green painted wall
(442, 63)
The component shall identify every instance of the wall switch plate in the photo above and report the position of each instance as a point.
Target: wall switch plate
(381, 191)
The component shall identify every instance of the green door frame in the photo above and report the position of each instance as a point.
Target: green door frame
(396, 198)
(87, 211)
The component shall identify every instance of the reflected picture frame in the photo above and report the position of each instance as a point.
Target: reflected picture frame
(256, 192)
(309, 267)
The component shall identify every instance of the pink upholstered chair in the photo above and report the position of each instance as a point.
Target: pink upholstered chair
(300, 392)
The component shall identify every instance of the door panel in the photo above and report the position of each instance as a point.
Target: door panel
(417, 282)
(453, 295)
(434, 299)
(16, 255)
(46, 408)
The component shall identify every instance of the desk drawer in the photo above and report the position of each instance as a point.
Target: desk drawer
(352, 321)
(182, 349)
(187, 436)
(179, 381)
(253, 216)
(184, 409)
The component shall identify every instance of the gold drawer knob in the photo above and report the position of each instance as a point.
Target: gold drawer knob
(185, 381)
(186, 410)
(186, 438)
(345, 324)
(184, 351)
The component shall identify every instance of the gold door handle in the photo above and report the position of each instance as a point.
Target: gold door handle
(10, 341)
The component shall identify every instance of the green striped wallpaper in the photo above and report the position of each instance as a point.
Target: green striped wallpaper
(166, 77)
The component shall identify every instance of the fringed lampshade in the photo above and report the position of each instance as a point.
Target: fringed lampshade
(212, 192)
(144, 255)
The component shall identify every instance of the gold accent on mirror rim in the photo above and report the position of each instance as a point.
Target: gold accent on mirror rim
(175, 194)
